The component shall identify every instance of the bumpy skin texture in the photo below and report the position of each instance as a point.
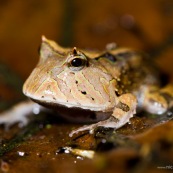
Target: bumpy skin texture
(115, 82)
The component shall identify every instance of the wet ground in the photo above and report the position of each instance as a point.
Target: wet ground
(44, 145)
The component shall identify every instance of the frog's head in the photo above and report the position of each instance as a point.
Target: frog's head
(69, 77)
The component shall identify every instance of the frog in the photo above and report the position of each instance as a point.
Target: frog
(100, 88)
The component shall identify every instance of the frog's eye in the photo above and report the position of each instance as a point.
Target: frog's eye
(77, 60)
(77, 64)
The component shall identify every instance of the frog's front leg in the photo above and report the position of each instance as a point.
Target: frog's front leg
(123, 111)
(18, 113)
(158, 101)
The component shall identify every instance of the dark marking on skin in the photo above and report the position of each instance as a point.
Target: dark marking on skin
(42, 96)
(125, 54)
(123, 106)
(83, 92)
(87, 63)
(113, 119)
(92, 98)
(117, 93)
(76, 82)
(152, 101)
(108, 56)
(167, 97)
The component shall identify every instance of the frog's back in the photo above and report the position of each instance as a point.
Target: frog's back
(131, 69)
(86, 79)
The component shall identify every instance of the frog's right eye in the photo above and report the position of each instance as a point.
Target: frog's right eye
(77, 60)
(77, 63)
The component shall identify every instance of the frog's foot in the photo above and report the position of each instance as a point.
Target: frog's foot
(91, 129)
(111, 122)
(18, 114)
(122, 113)
(155, 103)
(159, 101)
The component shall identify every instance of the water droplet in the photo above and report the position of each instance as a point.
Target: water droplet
(21, 153)
(79, 157)
(169, 114)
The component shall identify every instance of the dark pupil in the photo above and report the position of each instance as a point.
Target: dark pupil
(77, 62)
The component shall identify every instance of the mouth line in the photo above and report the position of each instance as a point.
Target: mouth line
(55, 103)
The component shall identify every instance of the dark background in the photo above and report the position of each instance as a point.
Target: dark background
(145, 24)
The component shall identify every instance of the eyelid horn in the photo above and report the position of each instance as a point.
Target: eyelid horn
(49, 48)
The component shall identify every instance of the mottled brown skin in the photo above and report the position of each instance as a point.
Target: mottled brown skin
(118, 71)
(115, 82)
(105, 87)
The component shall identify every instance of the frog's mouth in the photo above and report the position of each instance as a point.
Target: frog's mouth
(76, 114)
(56, 105)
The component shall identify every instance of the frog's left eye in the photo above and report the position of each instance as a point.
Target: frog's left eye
(77, 63)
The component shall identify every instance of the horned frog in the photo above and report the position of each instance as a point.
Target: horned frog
(105, 88)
